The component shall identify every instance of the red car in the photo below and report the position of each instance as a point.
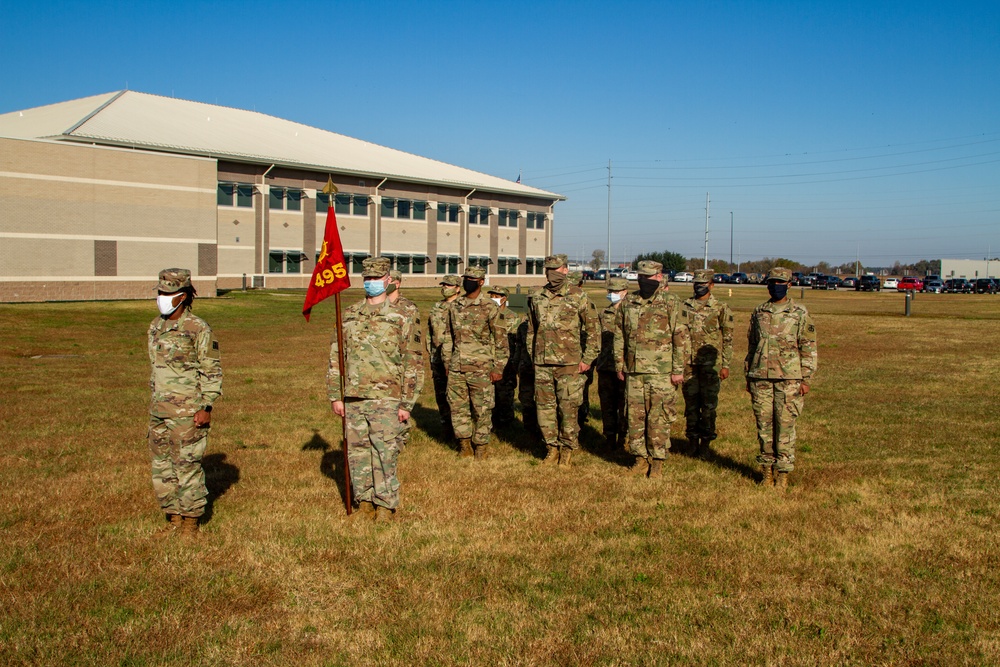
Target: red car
(909, 284)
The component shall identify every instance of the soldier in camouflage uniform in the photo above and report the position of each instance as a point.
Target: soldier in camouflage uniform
(186, 380)
(710, 322)
(780, 363)
(451, 286)
(610, 388)
(526, 379)
(503, 410)
(563, 340)
(383, 374)
(409, 309)
(651, 345)
(475, 353)
(583, 412)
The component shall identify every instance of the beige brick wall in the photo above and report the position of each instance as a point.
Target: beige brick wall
(404, 236)
(90, 290)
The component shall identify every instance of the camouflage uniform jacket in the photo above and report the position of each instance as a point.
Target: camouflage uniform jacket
(436, 322)
(606, 359)
(515, 347)
(383, 355)
(782, 342)
(651, 335)
(411, 310)
(562, 327)
(475, 336)
(187, 367)
(711, 325)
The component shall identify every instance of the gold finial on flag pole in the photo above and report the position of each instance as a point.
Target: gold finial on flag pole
(330, 188)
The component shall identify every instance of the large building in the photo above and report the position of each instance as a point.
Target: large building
(98, 194)
(970, 268)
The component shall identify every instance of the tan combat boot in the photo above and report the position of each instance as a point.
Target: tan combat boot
(480, 452)
(640, 467)
(365, 510)
(171, 528)
(384, 514)
(552, 456)
(656, 468)
(565, 456)
(781, 483)
(465, 447)
(189, 526)
(768, 472)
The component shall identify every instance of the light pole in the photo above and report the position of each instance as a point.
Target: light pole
(730, 240)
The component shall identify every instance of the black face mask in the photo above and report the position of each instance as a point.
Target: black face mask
(647, 286)
(470, 285)
(700, 290)
(556, 278)
(777, 291)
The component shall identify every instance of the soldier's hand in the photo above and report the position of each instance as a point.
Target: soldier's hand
(724, 373)
(677, 380)
(202, 419)
(338, 408)
(404, 415)
(621, 376)
(803, 388)
(496, 377)
(584, 367)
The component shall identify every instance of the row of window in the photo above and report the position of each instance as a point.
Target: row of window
(290, 261)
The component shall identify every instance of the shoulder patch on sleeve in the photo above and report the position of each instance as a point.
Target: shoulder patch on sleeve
(811, 328)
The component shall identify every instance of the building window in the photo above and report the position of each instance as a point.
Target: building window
(276, 199)
(403, 263)
(388, 207)
(446, 264)
(507, 265)
(293, 262)
(276, 261)
(357, 261)
(419, 210)
(242, 191)
(536, 221)
(360, 204)
(342, 204)
(225, 194)
(476, 260)
(403, 208)
(479, 215)
(419, 263)
(534, 266)
(322, 202)
(447, 213)
(293, 199)
(507, 218)
(244, 195)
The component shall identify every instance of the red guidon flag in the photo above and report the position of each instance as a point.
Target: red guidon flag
(330, 275)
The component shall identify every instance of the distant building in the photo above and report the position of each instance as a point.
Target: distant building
(970, 268)
(98, 194)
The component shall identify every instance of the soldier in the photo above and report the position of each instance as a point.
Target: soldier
(409, 309)
(780, 363)
(436, 322)
(562, 337)
(610, 388)
(383, 357)
(710, 322)
(651, 346)
(475, 353)
(503, 410)
(186, 380)
(576, 280)
(526, 379)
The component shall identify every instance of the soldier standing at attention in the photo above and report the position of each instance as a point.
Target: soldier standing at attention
(383, 355)
(436, 322)
(652, 343)
(610, 388)
(563, 336)
(409, 309)
(475, 353)
(780, 362)
(503, 410)
(186, 380)
(711, 324)
(576, 280)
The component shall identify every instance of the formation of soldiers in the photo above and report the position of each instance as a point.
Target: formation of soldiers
(645, 347)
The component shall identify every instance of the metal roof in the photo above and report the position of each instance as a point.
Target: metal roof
(140, 120)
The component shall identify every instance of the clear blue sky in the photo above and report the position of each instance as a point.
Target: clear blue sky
(822, 126)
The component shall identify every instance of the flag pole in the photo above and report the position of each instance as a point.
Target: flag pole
(343, 388)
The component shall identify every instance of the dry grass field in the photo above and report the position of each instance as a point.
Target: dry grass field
(884, 551)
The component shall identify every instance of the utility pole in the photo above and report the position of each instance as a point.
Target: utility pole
(730, 240)
(706, 231)
(739, 258)
(857, 263)
(608, 275)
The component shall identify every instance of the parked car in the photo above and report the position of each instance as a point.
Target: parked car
(589, 274)
(721, 277)
(868, 284)
(984, 286)
(826, 282)
(849, 281)
(958, 286)
(684, 277)
(910, 284)
(739, 278)
(631, 275)
(933, 285)
(799, 278)
(890, 283)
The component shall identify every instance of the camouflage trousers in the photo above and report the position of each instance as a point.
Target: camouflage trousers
(650, 408)
(176, 448)
(471, 398)
(701, 401)
(776, 406)
(503, 409)
(611, 391)
(441, 391)
(374, 436)
(558, 391)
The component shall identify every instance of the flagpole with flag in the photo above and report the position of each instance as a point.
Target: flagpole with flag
(330, 277)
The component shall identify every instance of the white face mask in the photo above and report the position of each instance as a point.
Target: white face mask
(497, 301)
(165, 303)
(614, 297)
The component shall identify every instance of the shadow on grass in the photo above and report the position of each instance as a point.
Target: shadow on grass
(684, 447)
(219, 476)
(428, 420)
(331, 464)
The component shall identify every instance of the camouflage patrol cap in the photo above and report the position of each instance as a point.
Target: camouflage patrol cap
(375, 267)
(556, 261)
(704, 275)
(395, 275)
(617, 284)
(779, 273)
(648, 267)
(575, 278)
(173, 280)
(474, 272)
(452, 280)
(498, 289)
